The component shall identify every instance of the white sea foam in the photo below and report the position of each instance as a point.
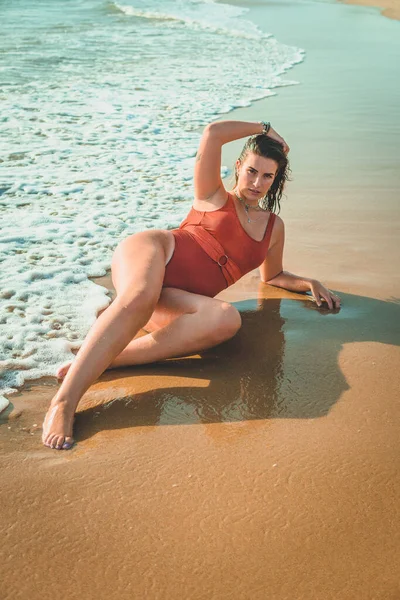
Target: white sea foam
(198, 14)
(100, 145)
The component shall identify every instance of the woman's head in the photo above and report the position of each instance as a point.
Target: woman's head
(261, 172)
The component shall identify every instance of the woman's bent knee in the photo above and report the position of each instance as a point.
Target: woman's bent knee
(224, 322)
(139, 298)
(231, 320)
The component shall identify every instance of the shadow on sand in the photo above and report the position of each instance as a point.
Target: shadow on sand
(283, 363)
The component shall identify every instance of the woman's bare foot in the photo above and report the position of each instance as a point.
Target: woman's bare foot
(63, 370)
(57, 426)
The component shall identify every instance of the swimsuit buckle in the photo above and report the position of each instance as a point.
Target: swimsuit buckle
(222, 260)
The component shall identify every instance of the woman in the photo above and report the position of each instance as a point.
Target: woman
(166, 280)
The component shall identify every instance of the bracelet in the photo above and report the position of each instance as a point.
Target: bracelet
(266, 127)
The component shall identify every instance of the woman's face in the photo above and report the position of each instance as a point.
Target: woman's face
(255, 176)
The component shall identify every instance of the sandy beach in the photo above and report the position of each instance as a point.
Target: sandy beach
(390, 8)
(266, 468)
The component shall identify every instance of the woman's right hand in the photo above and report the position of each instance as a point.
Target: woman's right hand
(321, 294)
(275, 136)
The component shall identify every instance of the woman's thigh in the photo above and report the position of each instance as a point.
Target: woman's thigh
(174, 302)
(139, 261)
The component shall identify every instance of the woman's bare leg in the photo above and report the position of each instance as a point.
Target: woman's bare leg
(142, 259)
(181, 324)
(211, 323)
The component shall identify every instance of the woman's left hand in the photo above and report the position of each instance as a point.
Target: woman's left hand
(322, 294)
(278, 138)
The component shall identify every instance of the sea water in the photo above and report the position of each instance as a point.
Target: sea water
(103, 104)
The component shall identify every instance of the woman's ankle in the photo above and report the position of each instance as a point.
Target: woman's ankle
(64, 403)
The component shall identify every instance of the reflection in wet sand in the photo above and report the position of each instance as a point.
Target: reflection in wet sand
(283, 363)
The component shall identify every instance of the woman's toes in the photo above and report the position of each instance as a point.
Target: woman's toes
(57, 427)
(59, 442)
(69, 442)
(49, 440)
(63, 370)
(55, 443)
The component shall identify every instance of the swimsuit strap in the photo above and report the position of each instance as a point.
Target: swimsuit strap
(216, 252)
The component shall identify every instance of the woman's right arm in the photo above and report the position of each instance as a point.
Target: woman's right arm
(208, 185)
(271, 271)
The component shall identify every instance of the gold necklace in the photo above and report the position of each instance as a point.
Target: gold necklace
(246, 209)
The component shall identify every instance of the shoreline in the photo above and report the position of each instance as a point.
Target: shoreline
(388, 8)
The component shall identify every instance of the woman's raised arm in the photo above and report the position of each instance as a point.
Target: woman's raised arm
(207, 171)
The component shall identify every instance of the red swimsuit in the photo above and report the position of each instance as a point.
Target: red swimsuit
(212, 251)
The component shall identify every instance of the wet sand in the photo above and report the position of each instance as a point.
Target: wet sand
(389, 8)
(265, 468)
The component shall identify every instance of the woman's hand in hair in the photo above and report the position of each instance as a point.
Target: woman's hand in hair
(275, 136)
(322, 294)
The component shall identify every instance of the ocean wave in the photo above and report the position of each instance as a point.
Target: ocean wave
(199, 15)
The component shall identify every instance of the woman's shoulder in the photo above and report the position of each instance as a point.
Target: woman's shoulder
(278, 222)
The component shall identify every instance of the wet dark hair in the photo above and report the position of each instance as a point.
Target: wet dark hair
(269, 148)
